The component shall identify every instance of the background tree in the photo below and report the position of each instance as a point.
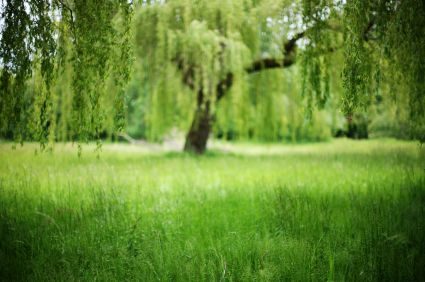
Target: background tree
(215, 46)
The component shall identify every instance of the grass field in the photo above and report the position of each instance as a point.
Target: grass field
(338, 211)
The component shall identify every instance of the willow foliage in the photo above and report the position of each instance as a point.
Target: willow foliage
(192, 53)
(203, 42)
(206, 40)
(192, 41)
(386, 39)
(40, 39)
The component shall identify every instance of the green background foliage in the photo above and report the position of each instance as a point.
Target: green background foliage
(82, 70)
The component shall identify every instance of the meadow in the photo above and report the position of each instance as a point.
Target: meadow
(338, 211)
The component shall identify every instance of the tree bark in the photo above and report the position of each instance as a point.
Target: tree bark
(197, 137)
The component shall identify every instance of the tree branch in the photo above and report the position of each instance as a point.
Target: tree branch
(272, 63)
(290, 49)
(67, 7)
(260, 64)
(224, 85)
(367, 30)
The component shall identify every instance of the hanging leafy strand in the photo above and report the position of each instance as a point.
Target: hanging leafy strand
(405, 46)
(320, 40)
(93, 41)
(38, 40)
(122, 61)
(27, 29)
(357, 71)
(392, 31)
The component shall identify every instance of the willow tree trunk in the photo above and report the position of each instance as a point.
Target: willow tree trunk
(197, 137)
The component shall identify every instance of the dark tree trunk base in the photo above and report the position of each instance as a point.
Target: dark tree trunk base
(197, 137)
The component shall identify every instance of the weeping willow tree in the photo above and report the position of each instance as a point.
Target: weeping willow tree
(216, 46)
(43, 41)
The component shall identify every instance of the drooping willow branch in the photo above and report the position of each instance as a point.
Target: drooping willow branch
(39, 40)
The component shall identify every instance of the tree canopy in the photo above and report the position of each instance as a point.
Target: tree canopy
(194, 53)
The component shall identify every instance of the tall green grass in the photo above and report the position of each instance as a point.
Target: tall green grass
(340, 211)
